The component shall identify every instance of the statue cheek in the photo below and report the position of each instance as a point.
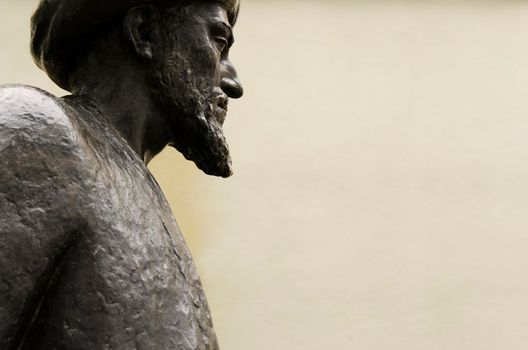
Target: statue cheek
(205, 63)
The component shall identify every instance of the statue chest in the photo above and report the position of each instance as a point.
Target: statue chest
(128, 280)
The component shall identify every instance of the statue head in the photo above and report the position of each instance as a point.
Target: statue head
(179, 50)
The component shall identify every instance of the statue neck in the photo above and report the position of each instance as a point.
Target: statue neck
(126, 103)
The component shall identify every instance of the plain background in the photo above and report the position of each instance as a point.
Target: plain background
(381, 179)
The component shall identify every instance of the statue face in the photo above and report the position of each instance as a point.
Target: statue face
(192, 80)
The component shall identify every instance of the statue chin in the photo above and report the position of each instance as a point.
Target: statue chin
(209, 151)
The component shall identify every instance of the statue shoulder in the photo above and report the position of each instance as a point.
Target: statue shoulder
(44, 198)
(40, 147)
(25, 109)
(35, 123)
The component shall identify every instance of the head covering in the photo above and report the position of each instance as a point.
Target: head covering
(61, 28)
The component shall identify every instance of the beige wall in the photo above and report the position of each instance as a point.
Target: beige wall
(381, 189)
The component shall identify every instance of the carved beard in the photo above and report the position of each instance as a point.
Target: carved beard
(189, 102)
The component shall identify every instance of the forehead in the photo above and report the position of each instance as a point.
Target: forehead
(232, 7)
(196, 19)
(211, 12)
(227, 10)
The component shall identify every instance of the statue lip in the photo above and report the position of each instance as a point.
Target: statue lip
(222, 101)
(221, 110)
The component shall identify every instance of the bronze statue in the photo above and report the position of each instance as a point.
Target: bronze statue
(90, 254)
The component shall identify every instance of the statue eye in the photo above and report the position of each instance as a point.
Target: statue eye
(221, 42)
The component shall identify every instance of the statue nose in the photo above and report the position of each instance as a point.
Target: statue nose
(232, 87)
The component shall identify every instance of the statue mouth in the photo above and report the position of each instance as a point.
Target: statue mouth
(220, 115)
(222, 102)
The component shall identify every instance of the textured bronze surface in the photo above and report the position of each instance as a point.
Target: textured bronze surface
(91, 256)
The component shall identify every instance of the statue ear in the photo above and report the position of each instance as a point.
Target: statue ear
(139, 26)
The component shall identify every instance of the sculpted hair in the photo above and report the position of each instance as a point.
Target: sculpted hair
(110, 50)
(98, 58)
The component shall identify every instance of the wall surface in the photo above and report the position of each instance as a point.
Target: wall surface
(381, 179)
